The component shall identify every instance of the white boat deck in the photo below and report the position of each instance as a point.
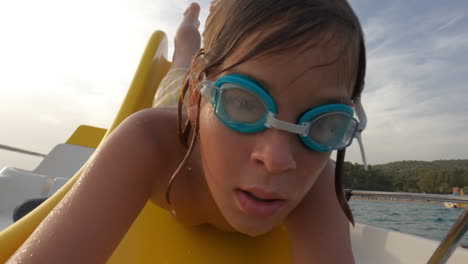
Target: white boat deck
(18, 186)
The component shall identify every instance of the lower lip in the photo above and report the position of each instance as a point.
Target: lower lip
(256, 208)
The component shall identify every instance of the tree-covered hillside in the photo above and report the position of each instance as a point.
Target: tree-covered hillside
(409, 176)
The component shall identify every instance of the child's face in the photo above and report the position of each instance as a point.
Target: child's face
(271, 164)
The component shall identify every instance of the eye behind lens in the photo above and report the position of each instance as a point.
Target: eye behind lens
(240, 105)
(332, 131)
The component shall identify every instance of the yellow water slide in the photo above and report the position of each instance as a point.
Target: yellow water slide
(155, 237)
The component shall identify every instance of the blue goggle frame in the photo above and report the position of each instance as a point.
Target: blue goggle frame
(214, 90)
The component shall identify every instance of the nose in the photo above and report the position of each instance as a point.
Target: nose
(274, 151)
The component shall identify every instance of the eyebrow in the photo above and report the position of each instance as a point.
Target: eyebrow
(263, 83)
(266, 87)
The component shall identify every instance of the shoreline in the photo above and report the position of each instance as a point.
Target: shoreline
(386, 199)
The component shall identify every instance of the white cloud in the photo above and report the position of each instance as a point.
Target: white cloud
(416, 87)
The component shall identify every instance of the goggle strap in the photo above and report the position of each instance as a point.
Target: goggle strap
(272, 121)
(207, 88)
(361, 146)
(360, 113)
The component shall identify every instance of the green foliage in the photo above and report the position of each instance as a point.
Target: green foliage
(429, 181)
(409, 176)
(445, 188)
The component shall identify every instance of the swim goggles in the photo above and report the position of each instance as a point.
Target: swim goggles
(243, 105)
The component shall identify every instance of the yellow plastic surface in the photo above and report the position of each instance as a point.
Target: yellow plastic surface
(87, 136)
(155, 237)
(462, 204)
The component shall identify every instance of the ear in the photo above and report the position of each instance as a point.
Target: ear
(193, 98)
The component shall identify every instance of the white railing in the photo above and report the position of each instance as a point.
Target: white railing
(8, 148)
(410, 196)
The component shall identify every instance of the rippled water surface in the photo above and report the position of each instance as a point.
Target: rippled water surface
(431, 221)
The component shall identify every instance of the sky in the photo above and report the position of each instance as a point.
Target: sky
(67, 63)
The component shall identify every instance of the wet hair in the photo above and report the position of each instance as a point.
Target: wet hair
(290, 25)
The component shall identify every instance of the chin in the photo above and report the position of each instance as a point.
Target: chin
(253, 226)
(253, 230)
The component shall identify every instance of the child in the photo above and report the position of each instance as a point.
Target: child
(270, 97)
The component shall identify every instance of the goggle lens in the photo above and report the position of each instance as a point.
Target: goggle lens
(240, 105)
(335, 129)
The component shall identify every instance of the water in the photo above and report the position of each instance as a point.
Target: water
(431, 221)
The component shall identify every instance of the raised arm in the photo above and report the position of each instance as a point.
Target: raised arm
(89, 222)
(318, 229)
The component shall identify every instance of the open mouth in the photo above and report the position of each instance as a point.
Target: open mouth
(253, 196)
(258, 205)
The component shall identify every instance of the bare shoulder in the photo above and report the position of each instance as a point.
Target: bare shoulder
(150, 121)
(323, 200)
(150, 127)
(149, 139)
(323, 190)
(156, 128)
(156, 131)
(321, 224)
